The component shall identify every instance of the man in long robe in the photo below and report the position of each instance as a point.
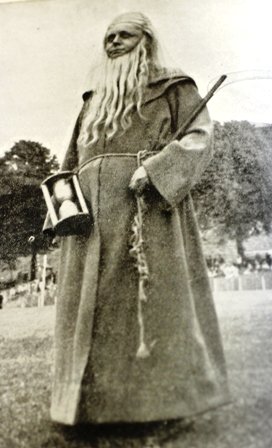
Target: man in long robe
(137, 337)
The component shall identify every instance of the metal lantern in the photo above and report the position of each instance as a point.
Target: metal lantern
(66, 205)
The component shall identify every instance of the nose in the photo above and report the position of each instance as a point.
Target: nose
(116, 39)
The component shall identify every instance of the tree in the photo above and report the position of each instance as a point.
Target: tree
(234, 194)
(22, 207)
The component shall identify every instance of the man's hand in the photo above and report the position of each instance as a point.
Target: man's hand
(139, 181)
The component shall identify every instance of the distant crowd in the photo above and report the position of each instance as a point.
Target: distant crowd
(219, 267)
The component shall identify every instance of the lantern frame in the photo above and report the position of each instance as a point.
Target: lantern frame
(74, 224)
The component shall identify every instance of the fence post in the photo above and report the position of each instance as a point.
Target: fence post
(263, 281)
(43, 280)
(240, 283)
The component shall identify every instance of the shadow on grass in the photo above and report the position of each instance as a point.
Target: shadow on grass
(142, 435)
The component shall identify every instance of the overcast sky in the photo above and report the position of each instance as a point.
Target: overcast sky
(48, 46)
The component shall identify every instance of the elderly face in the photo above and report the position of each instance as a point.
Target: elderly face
(121, 39)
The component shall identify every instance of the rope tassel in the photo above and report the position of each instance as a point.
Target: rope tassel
(137, 252)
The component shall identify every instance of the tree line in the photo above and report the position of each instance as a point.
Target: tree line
(22, 207)
(234, 195)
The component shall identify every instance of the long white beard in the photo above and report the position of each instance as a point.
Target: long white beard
(118, 90)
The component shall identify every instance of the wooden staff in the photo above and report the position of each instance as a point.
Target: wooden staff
(180, 132)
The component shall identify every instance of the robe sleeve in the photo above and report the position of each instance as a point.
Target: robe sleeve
(70, 161)
(180, 164)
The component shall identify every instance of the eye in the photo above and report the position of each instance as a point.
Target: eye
(125, 35)
(110, 37)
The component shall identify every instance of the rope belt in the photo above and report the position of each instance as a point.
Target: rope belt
(144, 154)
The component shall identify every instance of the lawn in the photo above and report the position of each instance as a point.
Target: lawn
(26, 360)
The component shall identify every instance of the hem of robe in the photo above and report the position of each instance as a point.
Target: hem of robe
(64, 407)
(66, 415)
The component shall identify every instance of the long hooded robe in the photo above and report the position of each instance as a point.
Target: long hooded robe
(98, 377)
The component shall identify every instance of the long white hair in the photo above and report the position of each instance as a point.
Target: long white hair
(120, 85)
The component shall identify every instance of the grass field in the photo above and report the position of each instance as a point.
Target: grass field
(26, 359)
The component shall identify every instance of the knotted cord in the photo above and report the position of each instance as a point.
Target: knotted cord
(138, 253)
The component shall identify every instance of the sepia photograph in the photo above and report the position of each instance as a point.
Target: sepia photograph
(135, 224)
